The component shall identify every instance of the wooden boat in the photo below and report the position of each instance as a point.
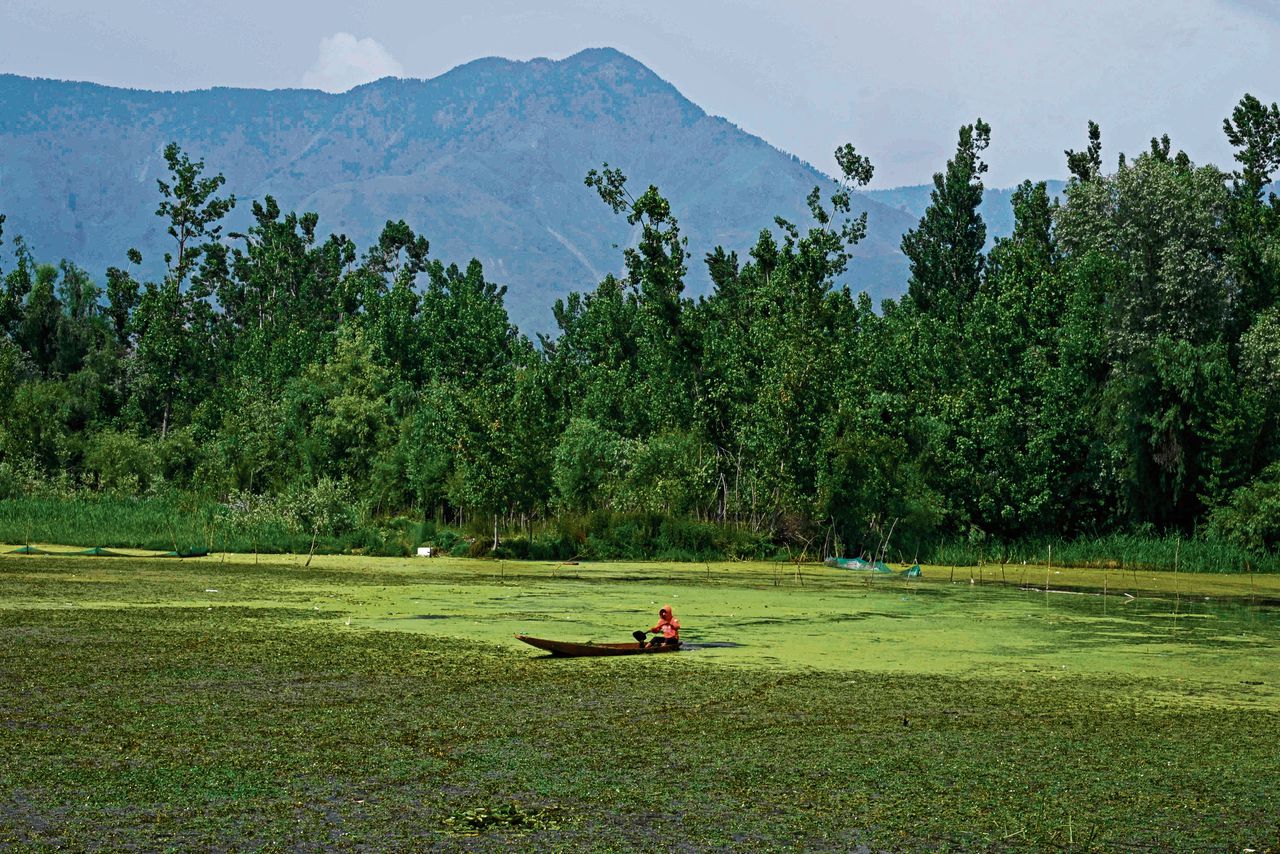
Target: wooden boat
(568, 649)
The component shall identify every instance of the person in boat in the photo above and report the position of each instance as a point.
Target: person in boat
(667, 630)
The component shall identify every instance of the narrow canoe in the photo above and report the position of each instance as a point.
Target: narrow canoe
(566, 649)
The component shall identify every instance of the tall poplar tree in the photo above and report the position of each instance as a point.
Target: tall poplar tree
(945, 249)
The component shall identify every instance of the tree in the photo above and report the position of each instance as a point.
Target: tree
(595, 361)
(1154, 234)
(38, 330)
(1161, 221)
(945, 249)
(1254, 130)
(122, 298)
(170, 367)
(282, 295)
(324, 507)
(466, 334)
(342, 411)
(774, 339)
(385, 283)
(1087, 165)
(502, 463)
(655, 283)
(191, 210)
(587, 461)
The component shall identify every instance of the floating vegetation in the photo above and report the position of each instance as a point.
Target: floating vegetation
(160, 714)
(508, 817)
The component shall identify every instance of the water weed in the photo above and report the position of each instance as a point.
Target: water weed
(152, 704)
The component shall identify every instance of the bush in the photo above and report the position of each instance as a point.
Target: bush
(685, 536)
(19, 479)
(1251, 518)
(677, 555)
(515, 548)
(121, 463)
(539, 550)
(445, 540)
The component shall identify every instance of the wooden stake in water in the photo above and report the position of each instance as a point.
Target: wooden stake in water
(1177, 551)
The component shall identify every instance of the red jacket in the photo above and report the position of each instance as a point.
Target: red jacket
(667, 625)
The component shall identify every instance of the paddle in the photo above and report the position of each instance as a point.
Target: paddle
(639, 636)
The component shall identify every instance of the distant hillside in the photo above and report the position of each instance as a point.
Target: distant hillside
(486, 160)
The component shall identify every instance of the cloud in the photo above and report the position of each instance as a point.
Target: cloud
(345, 61)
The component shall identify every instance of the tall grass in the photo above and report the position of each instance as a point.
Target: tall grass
(176, 522)
(144, 523)
(1117, 551)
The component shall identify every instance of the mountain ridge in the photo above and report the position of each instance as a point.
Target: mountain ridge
(486, 160)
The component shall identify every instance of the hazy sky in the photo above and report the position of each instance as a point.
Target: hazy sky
(895, 78)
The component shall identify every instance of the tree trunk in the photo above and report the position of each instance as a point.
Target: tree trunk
(311, 552)
(495, 532)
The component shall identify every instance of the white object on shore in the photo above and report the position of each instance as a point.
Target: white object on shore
(424, 551)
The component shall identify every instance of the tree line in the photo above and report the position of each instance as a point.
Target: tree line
(1113, 365)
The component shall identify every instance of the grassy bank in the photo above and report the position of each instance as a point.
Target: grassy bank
(178, 521)
(199, 705)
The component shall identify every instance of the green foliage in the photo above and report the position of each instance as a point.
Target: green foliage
(945, 250)
(190, 210)
(325, 507)
(121, 463)
(1250, 518)
(671, 473)
(1087, 165)
(505, 817)
(586, 462)
(249, 516)
(1110, 369)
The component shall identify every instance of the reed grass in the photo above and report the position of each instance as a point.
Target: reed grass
(1114, 551)
(154, 522)
(177, 521)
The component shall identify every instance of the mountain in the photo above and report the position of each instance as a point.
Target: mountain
(486, 160)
